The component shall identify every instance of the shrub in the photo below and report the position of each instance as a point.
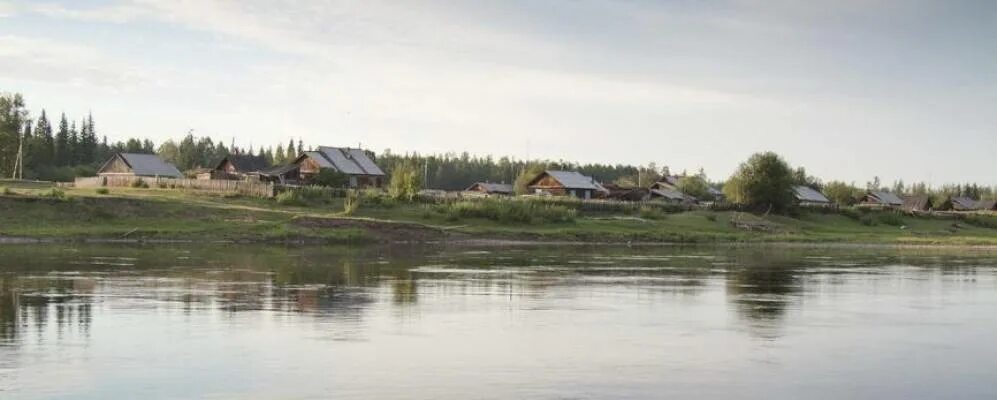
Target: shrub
(510, 211)
(7, 192)
(103, 190)
(711, 217)
(140, 183)
(867, 220)
(290, 198)
(54, 193)
(352, 202)
(891, 219)
(162, 185)
(651, 213)
(405, 182)
(981, 221)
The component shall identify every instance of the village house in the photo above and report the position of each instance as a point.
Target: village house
(617, 192)
(566, 183)
(666, 187)
(134, 164)
(237, 166)
(491, 189)
(356, 164)
(959, 203)
(986, 205)
(917, 203)
(881, 199)
(810, 197)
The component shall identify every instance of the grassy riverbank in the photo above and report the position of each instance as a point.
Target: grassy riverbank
(153, 214)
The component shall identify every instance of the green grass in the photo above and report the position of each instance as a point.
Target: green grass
(140, 213)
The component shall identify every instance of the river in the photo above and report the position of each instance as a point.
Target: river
(543, 322)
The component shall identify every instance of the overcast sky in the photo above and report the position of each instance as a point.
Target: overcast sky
(902, 89)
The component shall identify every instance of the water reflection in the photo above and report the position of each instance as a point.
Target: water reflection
(56, 301)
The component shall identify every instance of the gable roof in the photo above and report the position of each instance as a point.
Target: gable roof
(244, 162)
(987, 205)
(963, 203)
(493, 187)
(146, 165)
(917, 203)
(345, 160)
(886, 198)
(672, 194)
(570, 180)
(807, 194)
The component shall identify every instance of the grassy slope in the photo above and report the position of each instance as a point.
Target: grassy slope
(164, 214)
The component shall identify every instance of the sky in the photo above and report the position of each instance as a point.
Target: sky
(899, 89)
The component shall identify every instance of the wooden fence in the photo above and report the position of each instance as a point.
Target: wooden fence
(249, 188)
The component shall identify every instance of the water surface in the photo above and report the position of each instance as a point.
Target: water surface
(251, 322)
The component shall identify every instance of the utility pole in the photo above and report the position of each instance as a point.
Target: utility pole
(19, 161)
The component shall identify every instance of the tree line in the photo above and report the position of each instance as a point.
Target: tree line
(63, 148)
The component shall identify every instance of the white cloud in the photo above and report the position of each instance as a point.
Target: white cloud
(64, 63)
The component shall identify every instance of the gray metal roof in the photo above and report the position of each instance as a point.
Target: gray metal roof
(346, 160)
(319, 158)
(574, 180)
(886, 198)
(494, 187)
(150, 165)
(672, 194)
(368, 165)
(809, 195)
(963, 203)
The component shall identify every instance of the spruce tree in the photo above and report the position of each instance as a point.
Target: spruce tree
(61, 153)
(291, 152)
(42, 146)
(74, 145)
(279, 157)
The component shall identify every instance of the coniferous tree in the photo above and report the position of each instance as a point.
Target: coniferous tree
(301, 147)
(279, 157)
(62, 154)
(74, 145)
(42, 143)
(291, 152)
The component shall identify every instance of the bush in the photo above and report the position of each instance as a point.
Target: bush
(867, 220)
(980, 221)
(509, 211)
(352, 202)
(103, 190)
(891, 219)
(652, 213)
(289, 198)
(405, 182)
(7, 192)
(711, 217)
(54, 193)
(140, 183)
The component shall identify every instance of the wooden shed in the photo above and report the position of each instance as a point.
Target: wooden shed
(918, 203)
(488, 188)
(809, 197)
(881, 199)
(239, 166)
(134, 164)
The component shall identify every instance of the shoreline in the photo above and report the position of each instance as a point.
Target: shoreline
(485, 241)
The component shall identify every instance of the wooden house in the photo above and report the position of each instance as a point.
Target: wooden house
(881, 199)
(566, 183)
(809, 197)
(238, 166)
(134, 164)
(617, 192)
(669, 184)
(491, 189)
(986, 205)
(962, 203)
(917, 203)
(356, 164)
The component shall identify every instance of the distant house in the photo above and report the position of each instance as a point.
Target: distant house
(354, 163)
(986, 205)
(617, 192)
(917, 203)
(881, 199)
(566, 183)
(238, 166)
(809, 197)
(963, 203)
(133, 164)
(489, 188)
(671, 195)
(673, 182)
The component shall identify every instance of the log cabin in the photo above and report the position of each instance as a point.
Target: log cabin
(566, 183)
